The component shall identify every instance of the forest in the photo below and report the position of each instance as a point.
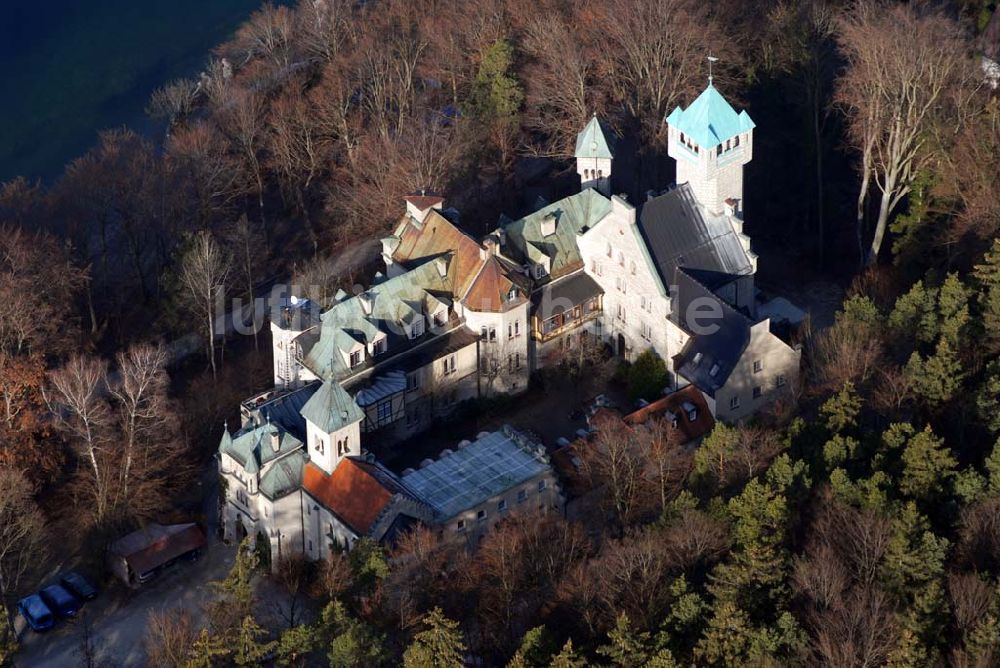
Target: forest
(856, 526)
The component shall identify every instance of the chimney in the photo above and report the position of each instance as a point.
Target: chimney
(549, 224)
(490, 244)
(275, 440)
(366, 302)
(731, 207)
(442, 266)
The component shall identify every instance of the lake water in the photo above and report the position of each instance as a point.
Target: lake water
(69, 68)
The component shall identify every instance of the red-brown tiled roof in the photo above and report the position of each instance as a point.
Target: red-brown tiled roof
(351, 492)
(437, 236)
(424, 202)
(674, 402)
(490, 288)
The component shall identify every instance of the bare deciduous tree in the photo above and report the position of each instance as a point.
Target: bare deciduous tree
(22, 537)
(204, 278)
(902, 59)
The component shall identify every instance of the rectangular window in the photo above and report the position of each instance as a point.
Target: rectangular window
(780, 380)
(632, 267)
(460, 526)
(758, 366)
(541, 485)
(510, 330)
(522, 495)
(517, 328)
(493, 333)
(417, 328)
(718, 150)
(355, 358)
(608, 250)
(736, 141)
(646, 331)
(481, 515)
(734, 403)
(621, 313)
(320, 445)
(757, 392)
(378, 347)
(501, 505)
(441, 317)
(385, 411)
(412, 381)
(482, 333)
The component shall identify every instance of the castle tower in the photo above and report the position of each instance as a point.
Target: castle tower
(711, 143)
(593, 158)
(333, 426)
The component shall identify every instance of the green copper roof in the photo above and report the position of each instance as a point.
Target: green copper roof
(591, 143)
(574, 215)
(252, 446)
(710, 120)
(331, 408)
(284, 476)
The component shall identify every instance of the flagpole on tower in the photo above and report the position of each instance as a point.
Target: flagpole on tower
(711, 59)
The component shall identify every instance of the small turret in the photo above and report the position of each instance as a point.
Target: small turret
(593, 158)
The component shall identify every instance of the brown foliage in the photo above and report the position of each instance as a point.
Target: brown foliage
(170, 633)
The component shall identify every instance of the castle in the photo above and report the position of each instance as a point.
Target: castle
(454, 318)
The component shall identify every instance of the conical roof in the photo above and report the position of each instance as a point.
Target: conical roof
(591, 143)
(710, 120)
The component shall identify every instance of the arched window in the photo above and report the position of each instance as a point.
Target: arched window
(340, 447)
(600, 173)
(736, 141)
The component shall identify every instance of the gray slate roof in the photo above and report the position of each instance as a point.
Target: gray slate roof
(483, 469)
(565, 293)
(704, 351)
(679, 233)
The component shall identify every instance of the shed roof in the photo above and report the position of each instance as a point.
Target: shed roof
(565, 293)
(710, 120)
(156, 544)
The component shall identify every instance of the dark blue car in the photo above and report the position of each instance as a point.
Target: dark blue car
(60, 601)
(36, 613)
(79, 586)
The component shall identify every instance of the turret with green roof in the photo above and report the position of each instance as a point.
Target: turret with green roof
(711, 142)
(593, 157)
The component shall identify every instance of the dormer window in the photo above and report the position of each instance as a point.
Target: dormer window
(512, 295)
(714, 371)
(693, 415)
(378, 347)
(441, 317)
(355, 358)
(697, 359)
(417, 328)
(539, 271)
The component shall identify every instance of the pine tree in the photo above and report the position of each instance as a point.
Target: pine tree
(568, 657)
(207, 651)
(249, 650)
(928, 467)
(496, 94)
(368, 563)
(627, 648)
(914, 315)
(536, 650)
(352, 643)
(727, 638)
(755, 573)
(988, 279)
(993, 468)
(936, 379)
(440, 645)
(295, 645)
(840, 412)
(988, 397)
(953, 309)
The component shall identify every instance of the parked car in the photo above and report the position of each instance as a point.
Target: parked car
(79, 586)
(60, 601)
(36, 613)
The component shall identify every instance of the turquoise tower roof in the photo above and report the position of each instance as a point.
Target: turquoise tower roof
(710, 120)
(591, 143)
